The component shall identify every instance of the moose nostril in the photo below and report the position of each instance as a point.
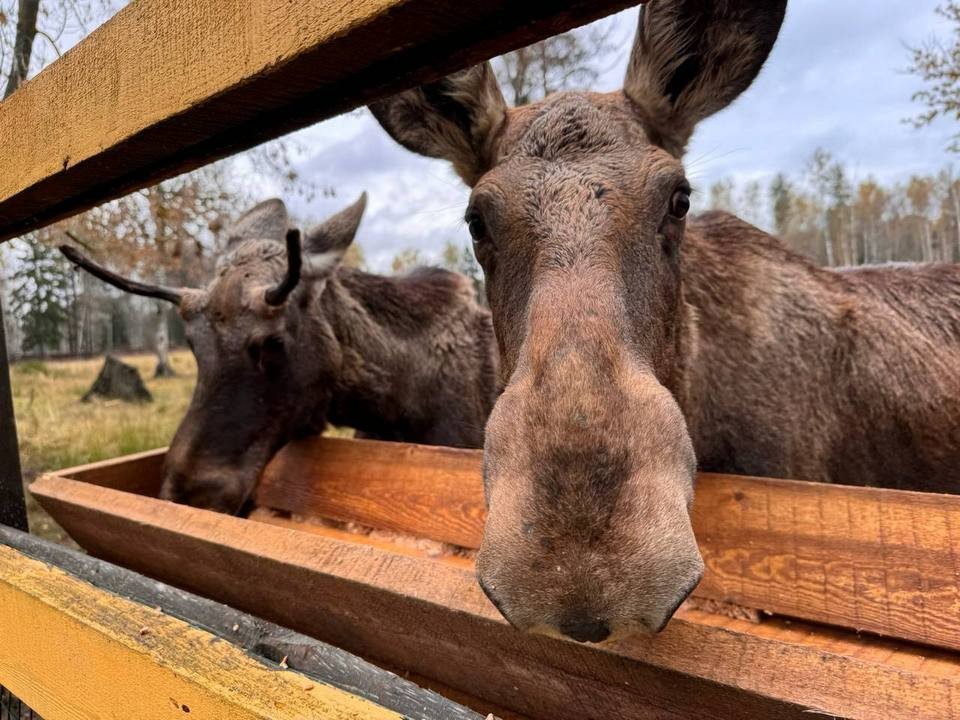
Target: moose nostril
(586, 630)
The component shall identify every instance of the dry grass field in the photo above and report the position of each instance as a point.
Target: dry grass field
(57, 430)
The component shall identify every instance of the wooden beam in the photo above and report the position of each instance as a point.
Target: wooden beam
(432, 492)
(72, 651)
(166, 86)
(431, 618)
(13, 509)
(319, 661)
(885, 561)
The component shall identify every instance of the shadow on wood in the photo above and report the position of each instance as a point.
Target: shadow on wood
(118, 381)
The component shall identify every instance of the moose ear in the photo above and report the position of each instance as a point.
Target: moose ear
(692, 58)
(265, 221)
(457, 118)
(327, 243)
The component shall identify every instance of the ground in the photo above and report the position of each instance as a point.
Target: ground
(56, 430)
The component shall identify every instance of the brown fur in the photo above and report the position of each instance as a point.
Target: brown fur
(796, 371)
(629, 339)
(410, 358)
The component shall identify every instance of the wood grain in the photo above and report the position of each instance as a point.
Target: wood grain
(140, 473)
(431, 618)
(74, 652)
(885, 561)
(263, 640)
(166, 86)
(432, 492)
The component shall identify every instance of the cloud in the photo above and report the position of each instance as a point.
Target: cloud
(836, 79)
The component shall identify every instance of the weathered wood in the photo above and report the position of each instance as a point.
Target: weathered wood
(166, 86)
(432, 492)
(13, 510)
(140, 473)
(432, 618)
(311, 657)
(70, 651)
(885, 561)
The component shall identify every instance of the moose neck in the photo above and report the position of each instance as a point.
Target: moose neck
(395, 339)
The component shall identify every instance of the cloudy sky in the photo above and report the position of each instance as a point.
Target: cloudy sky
(836, 79)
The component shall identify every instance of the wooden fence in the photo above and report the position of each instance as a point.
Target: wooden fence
(167, 86)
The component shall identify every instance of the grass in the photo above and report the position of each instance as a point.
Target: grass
(56, 430)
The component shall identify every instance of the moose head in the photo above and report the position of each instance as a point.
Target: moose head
(267, 358)
(577, 215)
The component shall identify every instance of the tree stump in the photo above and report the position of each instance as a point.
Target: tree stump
(118, 381)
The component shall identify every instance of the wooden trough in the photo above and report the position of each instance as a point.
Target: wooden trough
(859, 589)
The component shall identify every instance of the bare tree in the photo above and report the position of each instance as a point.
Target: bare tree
(938, 65)
(22, 45)
(573, 59)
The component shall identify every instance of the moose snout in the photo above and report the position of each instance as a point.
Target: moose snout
(219, 490)
(588, 533)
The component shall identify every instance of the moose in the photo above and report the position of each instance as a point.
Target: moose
(287, 338)
(636, 346)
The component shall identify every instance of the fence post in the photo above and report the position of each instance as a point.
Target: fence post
(13, 510)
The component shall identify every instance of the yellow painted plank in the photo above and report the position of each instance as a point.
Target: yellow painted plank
(72, 652)
(167, 85)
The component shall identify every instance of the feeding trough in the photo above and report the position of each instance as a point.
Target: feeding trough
(856, 588)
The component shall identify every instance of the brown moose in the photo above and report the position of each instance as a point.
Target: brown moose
(288, 340)
(633, 342)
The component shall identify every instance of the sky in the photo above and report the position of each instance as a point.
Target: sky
(836, 79)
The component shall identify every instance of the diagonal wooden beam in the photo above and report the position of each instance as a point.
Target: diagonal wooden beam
(166, 86)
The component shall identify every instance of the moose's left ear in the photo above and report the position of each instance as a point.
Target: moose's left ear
(327, 243)
(692, 58)
(267, 220)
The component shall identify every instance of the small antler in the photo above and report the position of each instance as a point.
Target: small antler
(278, 294)
(131, 286)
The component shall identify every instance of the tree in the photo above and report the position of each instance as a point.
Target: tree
(558, 63)
(404, 260)
(41, 296)
(938, 65)
(56, 23)
(22, 44)
(869, 209)
(781, 196)
(721, 196)
(461, 259)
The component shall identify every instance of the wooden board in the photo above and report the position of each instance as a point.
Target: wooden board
(260, 638)
(71, 651)
(885, 561)
(433, 492)
(166, 86)
(431, 618)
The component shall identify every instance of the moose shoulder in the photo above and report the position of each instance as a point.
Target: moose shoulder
(286, 339)
(791, 370)
(636, 344)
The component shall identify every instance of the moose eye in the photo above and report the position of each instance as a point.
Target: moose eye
(478, 230)
(680, 202)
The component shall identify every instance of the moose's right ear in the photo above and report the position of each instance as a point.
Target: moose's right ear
(457, 118)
